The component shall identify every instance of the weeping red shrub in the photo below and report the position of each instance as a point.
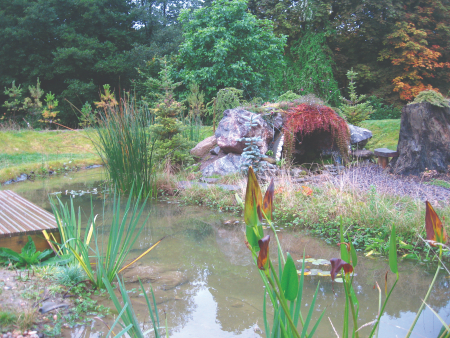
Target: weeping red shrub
(306, 119)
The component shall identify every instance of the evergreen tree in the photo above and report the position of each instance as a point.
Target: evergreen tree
(167, 128)
(354, 109)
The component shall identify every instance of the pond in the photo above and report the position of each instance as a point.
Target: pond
(206, 283)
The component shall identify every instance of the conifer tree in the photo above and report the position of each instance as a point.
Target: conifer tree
(167, 128)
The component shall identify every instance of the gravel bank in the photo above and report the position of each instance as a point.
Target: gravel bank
(365, 177)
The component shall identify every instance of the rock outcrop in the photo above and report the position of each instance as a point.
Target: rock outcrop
(232, 128)
(202, 148)
(359, 136)
(424, 140)
(229, 164)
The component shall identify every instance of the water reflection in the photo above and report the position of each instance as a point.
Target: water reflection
(206, 283)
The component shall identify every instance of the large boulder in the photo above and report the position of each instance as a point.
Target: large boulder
(229, 164)
(202, 148)
(232, 128)
(424, 140)
(359, 136)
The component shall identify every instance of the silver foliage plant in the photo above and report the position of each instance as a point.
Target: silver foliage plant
(251, 154)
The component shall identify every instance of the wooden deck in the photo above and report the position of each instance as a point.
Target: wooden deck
(20, 218)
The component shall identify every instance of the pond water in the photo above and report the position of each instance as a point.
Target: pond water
(206, 283)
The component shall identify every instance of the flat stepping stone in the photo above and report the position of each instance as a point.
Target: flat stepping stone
(385, 152)
(383, 155)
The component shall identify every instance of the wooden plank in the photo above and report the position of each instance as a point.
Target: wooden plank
(20, 216)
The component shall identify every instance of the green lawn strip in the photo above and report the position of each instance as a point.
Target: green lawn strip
(385, 133)
(15, 160)
(29, 151)
(45, 142)
(40, 169)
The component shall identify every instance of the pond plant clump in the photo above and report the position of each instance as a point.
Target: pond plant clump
(86, 265)
(285, 290)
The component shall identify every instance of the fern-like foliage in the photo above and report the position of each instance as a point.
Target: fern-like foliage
(305, 119)
(433, 97)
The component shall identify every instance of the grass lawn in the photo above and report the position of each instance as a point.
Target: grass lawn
(40, 151)
(385, 133)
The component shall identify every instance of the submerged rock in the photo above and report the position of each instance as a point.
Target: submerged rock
(158, 276)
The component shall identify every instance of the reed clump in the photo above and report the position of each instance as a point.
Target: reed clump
(124, 142)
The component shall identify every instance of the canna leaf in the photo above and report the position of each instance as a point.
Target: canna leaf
(263, 252)
(268, 200)
(353, 253)
(434, 227)
(345, 248)
(252, 239)
(337, 264)
(393, 251)
(289, 279)
(253, 200)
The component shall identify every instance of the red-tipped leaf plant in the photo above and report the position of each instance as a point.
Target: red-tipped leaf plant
(435, 230)
(437, 237)
(283, 285)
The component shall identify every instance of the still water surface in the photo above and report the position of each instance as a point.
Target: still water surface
(206, 283)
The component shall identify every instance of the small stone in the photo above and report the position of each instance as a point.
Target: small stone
(32, 332)
(215, 151)
(19, 336)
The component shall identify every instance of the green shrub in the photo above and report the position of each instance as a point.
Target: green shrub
(289, 96)
(70, 274)
(430, 96)
(382, 111)
(7, 319)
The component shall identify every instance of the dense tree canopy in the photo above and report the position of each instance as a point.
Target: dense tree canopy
(225, 46)
(397, 47)
(73, 46)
